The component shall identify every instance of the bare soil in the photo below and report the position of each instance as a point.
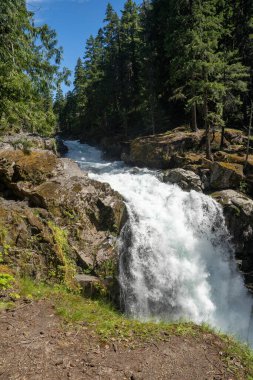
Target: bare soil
(37, 345)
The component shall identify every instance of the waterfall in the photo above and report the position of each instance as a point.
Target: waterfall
(176, 257)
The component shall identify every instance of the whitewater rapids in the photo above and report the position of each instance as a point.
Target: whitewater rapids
(176, 258)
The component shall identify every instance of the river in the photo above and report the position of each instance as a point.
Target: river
(176, 257)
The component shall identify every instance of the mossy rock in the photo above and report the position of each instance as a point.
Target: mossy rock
(156, 151)
(35, 168)
(225, 175)
(56, 219)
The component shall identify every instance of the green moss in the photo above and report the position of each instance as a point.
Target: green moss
(6, 305)
(62, 249)
(6, 281)
(4, 243)
(234, 167)
(69, 214)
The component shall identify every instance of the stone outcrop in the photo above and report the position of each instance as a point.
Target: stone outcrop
(238, 211)
(28, 141)
(54, 220)
(156, 151)
(181, 147)
(185, 179)
(225, 175)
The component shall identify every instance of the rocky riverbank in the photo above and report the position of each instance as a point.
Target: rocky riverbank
(55, 223)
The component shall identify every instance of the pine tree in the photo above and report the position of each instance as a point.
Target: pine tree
(205, 75)
(148, 94)
(79, 94)
(113, 71)
(130, 48)
(29, 70)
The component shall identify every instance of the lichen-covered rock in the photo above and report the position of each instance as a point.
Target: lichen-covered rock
(167, 150)
(225, 175)
(185, 179)
(235, 158)
(63, 219)
(156, 151)
(238, 211)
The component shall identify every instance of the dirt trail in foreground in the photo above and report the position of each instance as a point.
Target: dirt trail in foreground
(36, 346)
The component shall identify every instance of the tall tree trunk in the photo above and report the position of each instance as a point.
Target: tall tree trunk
(194, 125)
(249, 135)
(207, 128)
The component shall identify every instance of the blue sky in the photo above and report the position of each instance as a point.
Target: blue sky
(74, 21)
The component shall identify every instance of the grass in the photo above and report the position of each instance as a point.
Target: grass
(100, 315)
(107, 323)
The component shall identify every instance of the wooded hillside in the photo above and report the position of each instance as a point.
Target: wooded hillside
(162, 64)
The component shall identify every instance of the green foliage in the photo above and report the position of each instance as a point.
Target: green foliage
(29, 71)
(6, 281)
(4, 244)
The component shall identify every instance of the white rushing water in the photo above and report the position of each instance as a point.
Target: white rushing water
(176, 259)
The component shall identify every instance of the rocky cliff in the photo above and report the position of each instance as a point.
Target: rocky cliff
(55, 223)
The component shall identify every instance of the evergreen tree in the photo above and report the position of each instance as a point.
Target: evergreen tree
(59, 105)
(79, 94)
(113, 71)
(206, 75)
(165, 63)
(130, 36)
(27, 72)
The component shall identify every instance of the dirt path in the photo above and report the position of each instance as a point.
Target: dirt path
(35, 345)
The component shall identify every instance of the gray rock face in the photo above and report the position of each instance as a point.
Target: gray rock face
(64, 216)
(185, 179)
(238, 211)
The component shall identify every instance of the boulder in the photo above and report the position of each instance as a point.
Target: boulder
(225, 175)
(238, 212)
(185, 179)
(156, 151)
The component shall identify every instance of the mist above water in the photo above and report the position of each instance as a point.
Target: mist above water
(176, 258)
